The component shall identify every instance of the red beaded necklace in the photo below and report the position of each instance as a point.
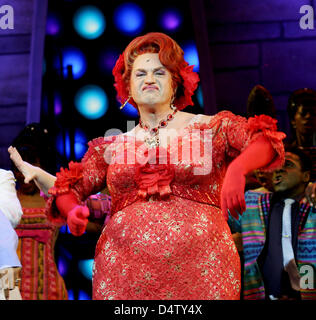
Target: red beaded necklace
(153, 141)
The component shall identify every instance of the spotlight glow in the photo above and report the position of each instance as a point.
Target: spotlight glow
(80, 148)
(74, 57)
(107, 59)
(80, 144)
(83, 295)
(130, 111)
(57, 104)
(85, 267)
(171, 20)
(129, 18)
(91, 102)
(62, 266)
(63, 147)
(199, 96)
(191, 55)
(71, 295)
(89, 22)
(53, 25)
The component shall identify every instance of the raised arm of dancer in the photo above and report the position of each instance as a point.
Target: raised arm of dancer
(42, 179)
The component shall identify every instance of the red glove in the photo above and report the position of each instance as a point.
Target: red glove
(232, 194)
(257, 155)
(77, 220)
(76, 215)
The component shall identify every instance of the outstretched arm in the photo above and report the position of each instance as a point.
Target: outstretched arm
(42, 179)
(75, 184)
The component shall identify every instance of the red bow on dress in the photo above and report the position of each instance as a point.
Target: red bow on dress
(154, 177)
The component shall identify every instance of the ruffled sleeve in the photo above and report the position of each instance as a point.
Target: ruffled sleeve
(240, 132)
(81, 179)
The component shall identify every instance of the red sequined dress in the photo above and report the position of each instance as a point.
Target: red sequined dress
(167, 237)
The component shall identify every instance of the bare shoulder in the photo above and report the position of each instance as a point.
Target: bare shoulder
(205, 118)
(190, 117)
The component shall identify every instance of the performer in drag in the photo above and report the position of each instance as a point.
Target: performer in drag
(167, 237)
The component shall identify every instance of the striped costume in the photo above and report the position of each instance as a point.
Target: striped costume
(253, 228)
(40, 279)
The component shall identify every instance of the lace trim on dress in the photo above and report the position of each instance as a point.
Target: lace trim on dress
(267, 126)
(66, 178)
(96, 143)
(156, 178)
(243, 132)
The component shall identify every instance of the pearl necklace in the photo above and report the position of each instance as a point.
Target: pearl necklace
(153, 140)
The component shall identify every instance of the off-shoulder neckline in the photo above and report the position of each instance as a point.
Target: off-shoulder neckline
(192, 121)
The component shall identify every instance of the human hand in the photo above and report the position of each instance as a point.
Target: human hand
(29, 172)
(310, 194)
(232, 193)
(9, 278)
(237, 237)
(77, 220)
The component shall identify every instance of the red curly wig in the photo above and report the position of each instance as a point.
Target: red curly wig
(185, 80)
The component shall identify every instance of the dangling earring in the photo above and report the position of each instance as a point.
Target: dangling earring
(124, 104)
(172, 106)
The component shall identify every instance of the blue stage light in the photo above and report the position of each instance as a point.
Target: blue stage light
(83, 295)
(199, 96)
(129, 18)
(74, 57)
(62, 266)
(63, 229)
(58, 107)
(107, 59)
(129, 111)
(71, 295)
(171, 20)
(85, 267)
(53, 24)
(80, 144)
(63, 147)
(89, 22)
(191, 55)
(91, 102)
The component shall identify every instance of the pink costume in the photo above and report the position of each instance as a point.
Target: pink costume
(167, 237)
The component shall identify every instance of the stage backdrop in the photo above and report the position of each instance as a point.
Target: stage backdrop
(21, 53)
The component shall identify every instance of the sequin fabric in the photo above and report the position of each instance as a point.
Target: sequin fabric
(167, 237)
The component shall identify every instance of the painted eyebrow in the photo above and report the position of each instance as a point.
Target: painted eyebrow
(154, 70)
